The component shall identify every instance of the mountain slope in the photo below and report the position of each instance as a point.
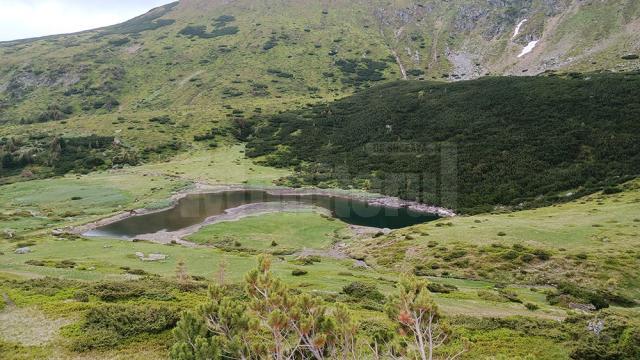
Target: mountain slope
(167, 59)
(493, 141)
(190, 69)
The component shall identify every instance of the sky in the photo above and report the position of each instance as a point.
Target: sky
(20, 19)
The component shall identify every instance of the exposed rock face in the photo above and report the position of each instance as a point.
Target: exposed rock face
(582, 307)
(20, 83)
(468, 17)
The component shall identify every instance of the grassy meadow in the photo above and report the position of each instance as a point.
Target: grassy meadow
(589, 241)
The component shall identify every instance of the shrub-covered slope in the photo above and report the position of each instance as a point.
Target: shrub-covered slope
(178, 76)
(466, 145)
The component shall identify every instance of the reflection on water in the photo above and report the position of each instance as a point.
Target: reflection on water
(196, 208)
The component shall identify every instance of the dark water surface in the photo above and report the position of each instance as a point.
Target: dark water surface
(196, 208)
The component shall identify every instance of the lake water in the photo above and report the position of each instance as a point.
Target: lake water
(196, 208)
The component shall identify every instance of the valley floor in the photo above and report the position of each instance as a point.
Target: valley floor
(499, 266)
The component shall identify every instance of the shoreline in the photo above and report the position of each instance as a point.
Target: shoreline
(255, 209)
(229, 215)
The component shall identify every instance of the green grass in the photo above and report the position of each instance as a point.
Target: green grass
(577, 226)
(52, 203)
(592, 241)
(102, 259)
(569, 226)
(310, 231)
(226, 165)
(503, 344)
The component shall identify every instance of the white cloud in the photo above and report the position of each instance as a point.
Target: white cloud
(31, 18)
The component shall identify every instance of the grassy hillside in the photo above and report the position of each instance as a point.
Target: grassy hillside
(499, 279)
(197, 65)
(504, 305)
(589, 242)
(468, 145)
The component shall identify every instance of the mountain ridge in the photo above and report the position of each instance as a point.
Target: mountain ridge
(461, 39)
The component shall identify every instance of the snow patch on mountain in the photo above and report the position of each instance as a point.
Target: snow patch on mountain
(527, 49)
(517, 31)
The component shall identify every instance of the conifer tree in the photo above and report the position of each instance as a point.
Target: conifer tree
(274, 323)
(418, 318)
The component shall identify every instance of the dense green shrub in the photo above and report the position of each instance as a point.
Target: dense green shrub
(279, 73)
(615, 338)
(592, 297)
(541, 254)
(489, 295)
(359, 72)
(201, 31)
(107, 325)
(509, 295)
(363, 291)
(193, 30)
(96, 339)
(35, 263)
(62, 155)
(610, 190)
(65, 264)
(307, 260)
(163, 120)
(509, 140)
(55, 113)
(224, 31)
(441, 288)
(223, 20)
(270, 44)
(299, 272)
(81, 296)
(629, 343)
(119, 41)
(510, 255)
(128, 320)
(45, 286)
(455, 254)
(125, 290)
(527, 257)
(421, 270)
(117, 290)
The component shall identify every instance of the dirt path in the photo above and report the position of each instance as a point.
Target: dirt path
(27, 326)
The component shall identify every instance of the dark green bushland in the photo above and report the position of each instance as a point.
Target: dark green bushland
(467, 145)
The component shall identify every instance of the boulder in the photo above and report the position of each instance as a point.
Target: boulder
(57, 232)
(152, 257)
(23, 250)
(156, 257)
